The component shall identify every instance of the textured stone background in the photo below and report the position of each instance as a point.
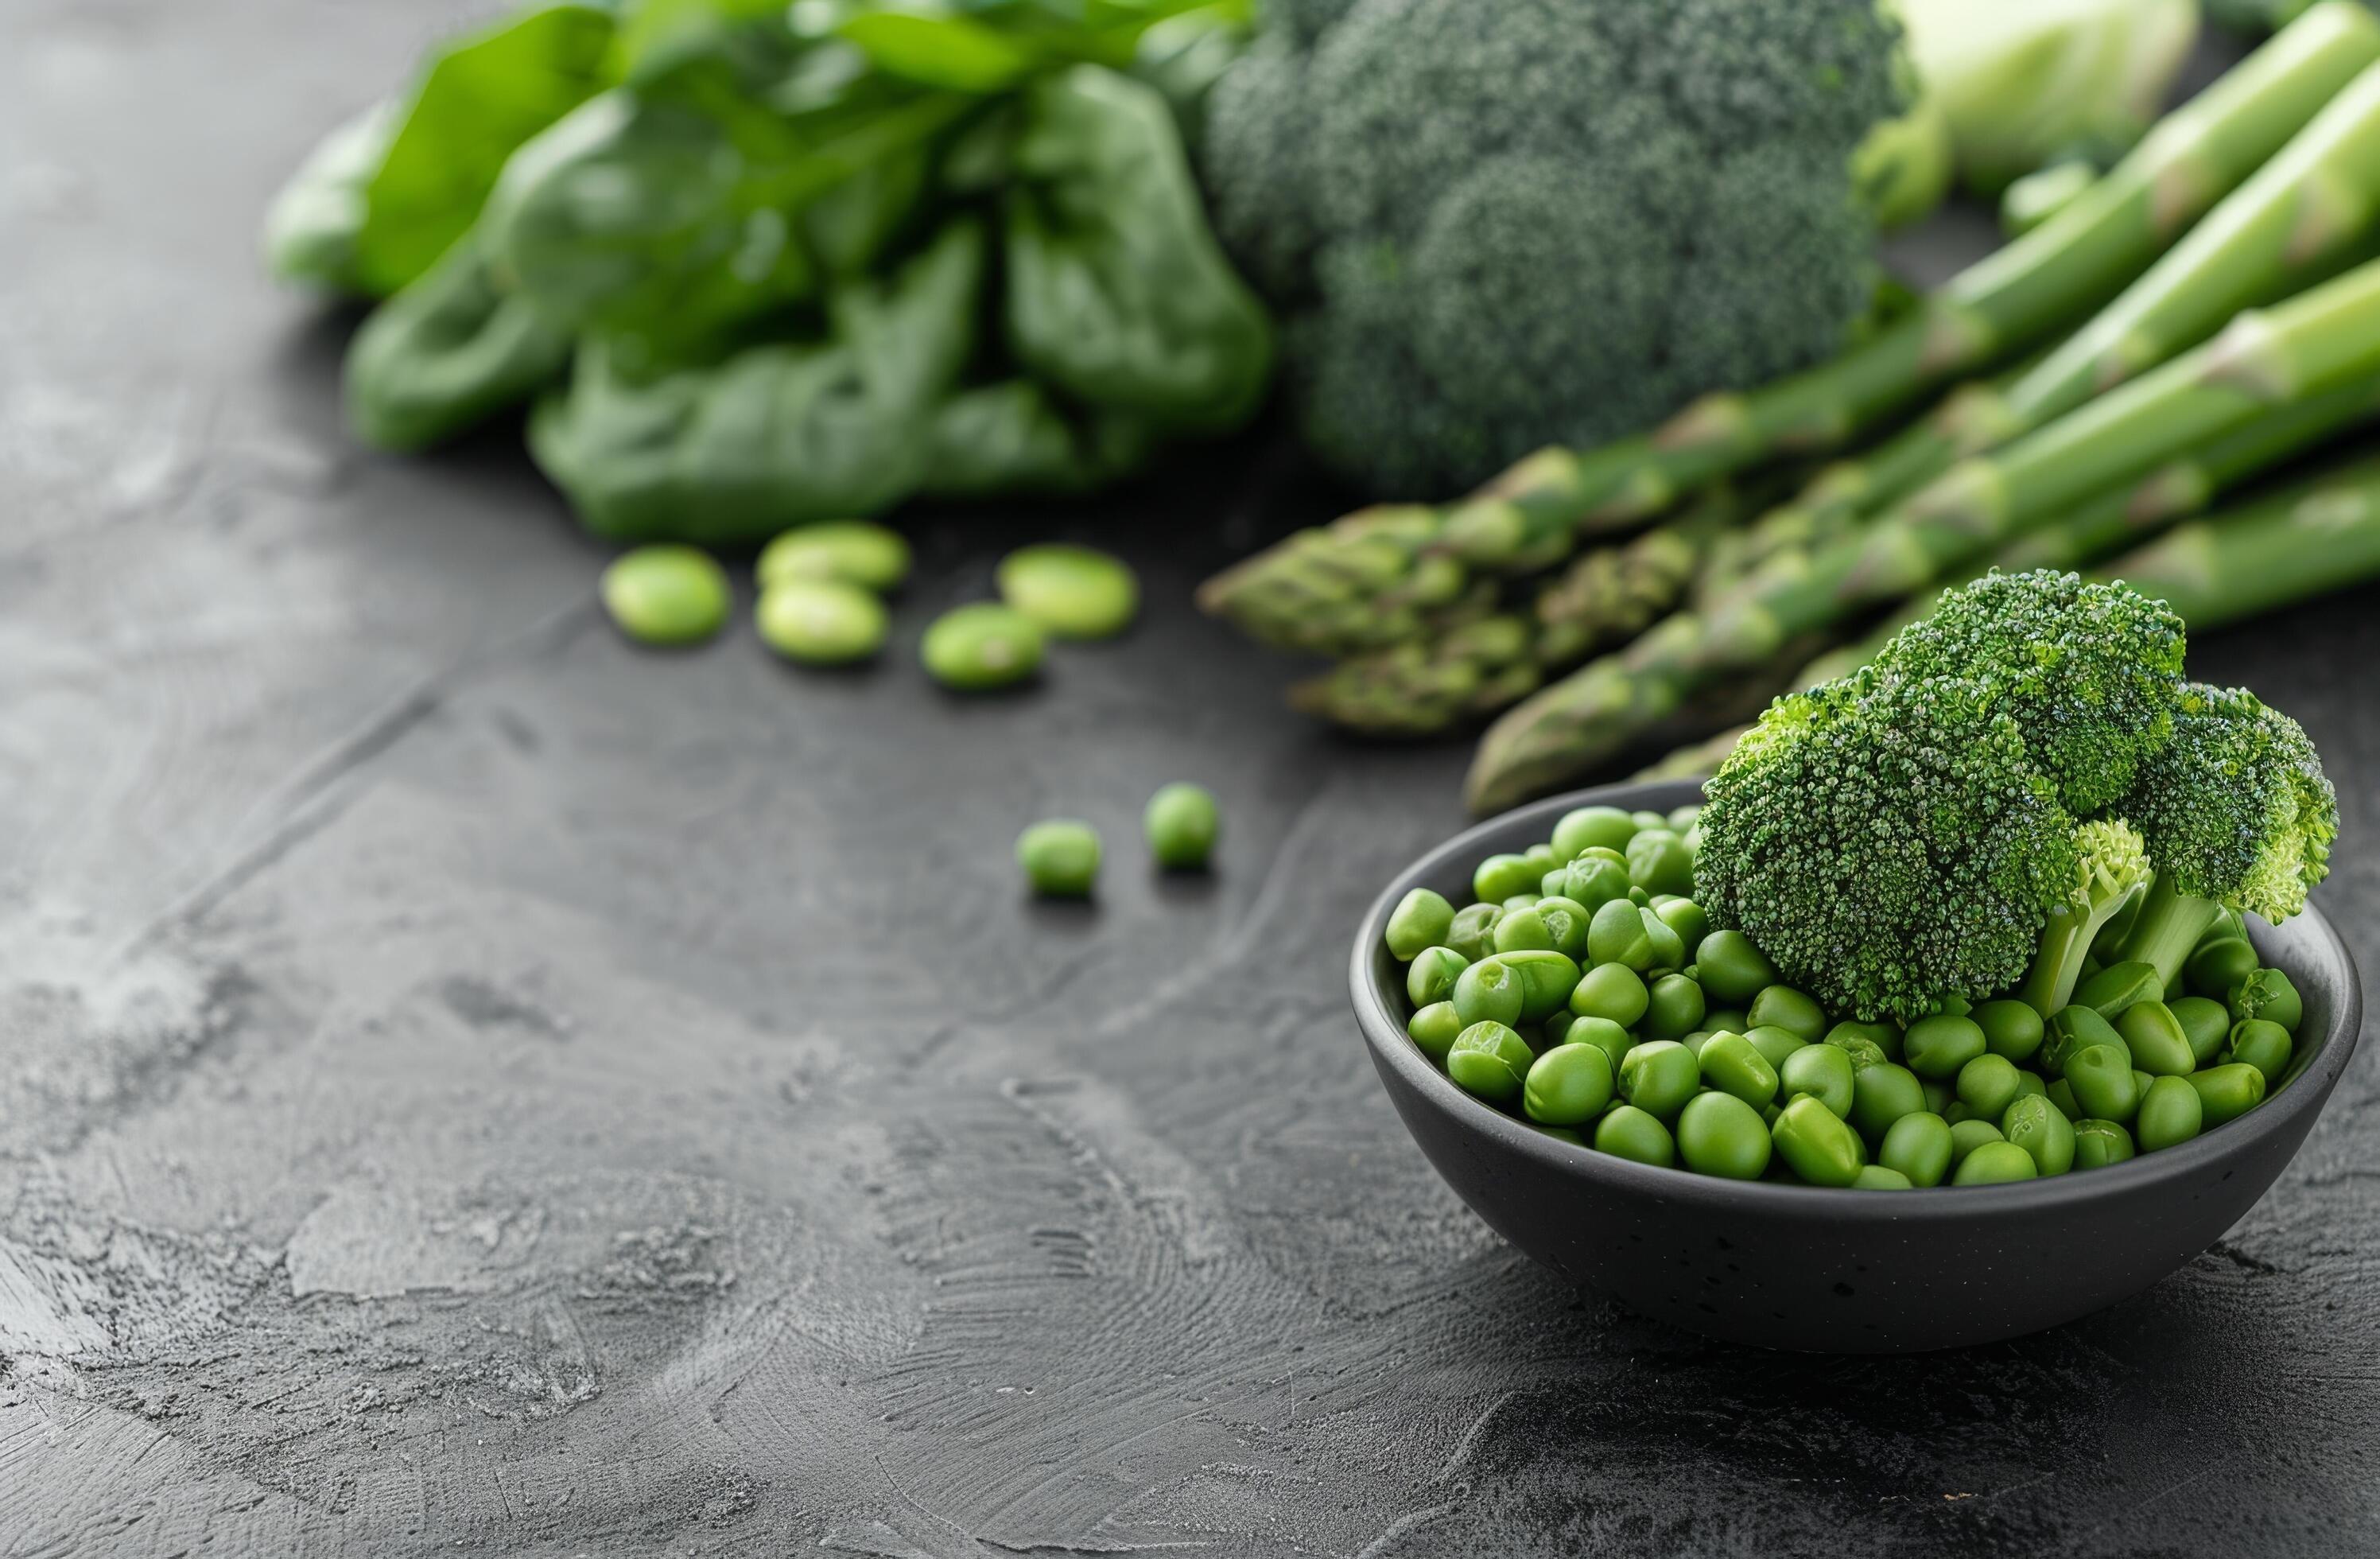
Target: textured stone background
(465, 1084)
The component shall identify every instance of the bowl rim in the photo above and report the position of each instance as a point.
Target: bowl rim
(1383, 1030)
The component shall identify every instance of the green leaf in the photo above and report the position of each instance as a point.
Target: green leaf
(777, 434)
(311, 231)
(477, 100)
(445, 353)
(1010, 437)
(935, 48)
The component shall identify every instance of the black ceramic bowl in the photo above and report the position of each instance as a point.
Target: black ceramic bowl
(1833, 1270)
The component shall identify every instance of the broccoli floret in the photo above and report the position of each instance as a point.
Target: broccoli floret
(1888, 843)
(2237, 815)
(1491, 228)
(2090, 672)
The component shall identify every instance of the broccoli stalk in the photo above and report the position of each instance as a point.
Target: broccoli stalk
(2111, 872)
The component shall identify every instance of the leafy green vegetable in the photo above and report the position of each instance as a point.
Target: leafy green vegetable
(445, 352)
(311, 231)
(1010, 437)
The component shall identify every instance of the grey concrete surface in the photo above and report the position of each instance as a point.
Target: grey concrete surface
(469, 1086)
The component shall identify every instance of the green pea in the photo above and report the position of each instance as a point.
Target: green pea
(1489, 1060)
(2263, 1044)
(1569, 1085)
(1773, 1043)
(1644, 818)
(2155, 1036)
(1519, 902)
(1061, 858)
(1731, 969)
(1689, 919)
(2102, 1078)
(819, 622)
(1434, 1027)
(2227, 1091)
(1521, 929)
(1660, 1076)
(980, 647)
(1069, 591)
(1612, 991)
(1730, 1064)
(1987, 1085)
(2219, 964)
(1659, 862)
(1823, 1072)
(1682, 818)
(1604, 1035)
(1674, 1007)
(1719, 1134)
(1864, 1052)
(1881, 1095)
(1938, 1097)
(2073, 1028)
(1630, 1133)
(1541, 858)
(2207, 1023)
(2170, 1113)
(1557, 1028)
(666, 595)
(2061, 1094)
(2141, 1081)
(1563, 1133)
(1995, 1163)
(1490, 990)
(2012, 1031)
(1919, 1146)
(1421, 920)
(1432, 975)
(1181, 822)
(850, 552)
(1550, 979)
(1815, 1143)
(1594, 879)
(2100, 1143)
(1967, 1136)
(1565, 923)
(1938, 1047)
(1877, 1177)
(1587, 827)
(2268, 994)
(2039, 1127)
(1885, 1039)
(1473, 932)
(2118, 988)
(1781, 1006)
(1618, 935)
(1500, 876)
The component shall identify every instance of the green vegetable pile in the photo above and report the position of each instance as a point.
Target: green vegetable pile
(757, 265)
(1972, 914)
(2100, 395)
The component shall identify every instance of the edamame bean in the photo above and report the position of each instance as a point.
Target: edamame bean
(1729, 1019)
(2100, 1143)
(2155, 1038)
(1565, 923)
(1070, 592)
(1658, 1076)
(1881, 1095)
(1730, 1064)
(1673, 1009)
(1430, 977)
(819, 622)
(2269, 994)
(2229, 1092)
(980, 647)
(666, 595)
(1686, 917)
(1822, 1072)
(1815, 1143)
(1886, 1038)
(1181, 822)
(1719, 1134)
(1659, 862)
(1987, 1085)
(1877, 1177)
(2012, 1029)
(1731, 969)
(1995, 1163)
(1919, 1146)
(1773, 1043)
(1490, 990)
(1604, 1035)
(2061, 1094)
(1500, 876)
(1618, 935)
(1608, 827)
(2036, 1125)
(1569, 1085)
(1938, 1046)
(2206, 1022)
(1489, 1060)
(1061, 858)
(1472, 934)
(2101, 1077)
(1612, 991)
(1669, 948)
(2263, 1044)
(2170, 1113)
(2115, 989)
(1631, 1133)
(1967, 1136)
(1421, 920)
(1434, 1027)
(1938, 1097)
(1522, 928)
(1594, 879)
(2218, 966)
(1549, 977)
(850, 552)
(1781, 1006)
(2072, 1028)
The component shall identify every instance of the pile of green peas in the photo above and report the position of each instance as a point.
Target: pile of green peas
(1587, 991)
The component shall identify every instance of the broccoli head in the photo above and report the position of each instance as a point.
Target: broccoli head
(2089, 672)
(1491, 228)
(1888, 843)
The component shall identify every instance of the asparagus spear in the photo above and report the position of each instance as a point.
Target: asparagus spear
(1355, 585)
(2267, 358)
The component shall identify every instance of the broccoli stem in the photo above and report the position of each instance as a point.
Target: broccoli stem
(2065, 942)
(2168, 926)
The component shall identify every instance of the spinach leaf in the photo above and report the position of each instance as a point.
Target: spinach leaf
(773, 435)
(311, 230)
(1010, 437)
(1117, 291)
(445, 353)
